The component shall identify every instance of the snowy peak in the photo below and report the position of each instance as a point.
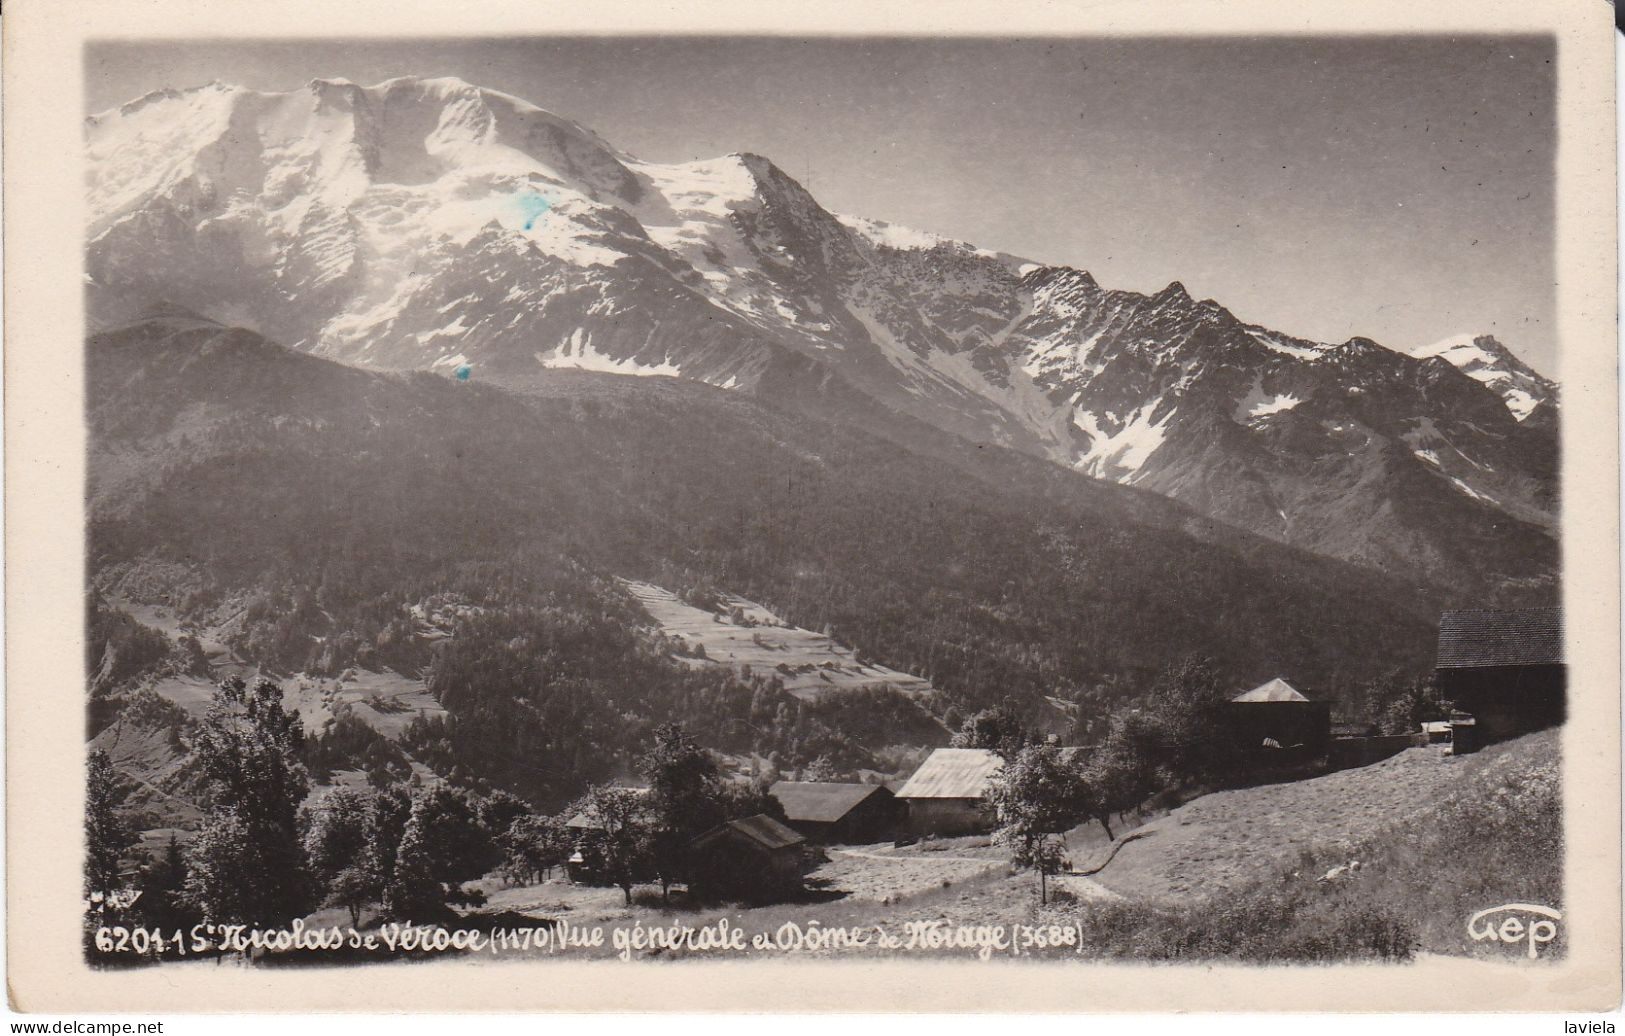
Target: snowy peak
(427, 223)
(1485, 359)
(336, 140)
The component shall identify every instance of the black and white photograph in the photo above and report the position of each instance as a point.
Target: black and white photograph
(1024, 500)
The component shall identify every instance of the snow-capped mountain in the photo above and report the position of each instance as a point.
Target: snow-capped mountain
(428, 223)
(1485, 359)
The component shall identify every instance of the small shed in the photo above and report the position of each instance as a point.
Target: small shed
(1504, 668)
(829, 813)
(756, 859)
(1276, 716)
(948, 793)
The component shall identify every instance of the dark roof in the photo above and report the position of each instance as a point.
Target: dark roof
(760, 829)
(822, 802)
(1531, 636)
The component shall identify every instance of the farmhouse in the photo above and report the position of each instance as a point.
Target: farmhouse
(756, 859)
(1275, 716)
(948, 793)
(1505, 669)
(831, 813)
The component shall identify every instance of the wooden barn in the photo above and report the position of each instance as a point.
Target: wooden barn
(948, 793)
(1505, 669)
(755, 860)
(1276, 718)
(828, 813)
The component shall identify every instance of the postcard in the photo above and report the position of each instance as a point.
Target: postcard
(764, 508)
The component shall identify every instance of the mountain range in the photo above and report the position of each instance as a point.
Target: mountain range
(307, 515)
(428, 224)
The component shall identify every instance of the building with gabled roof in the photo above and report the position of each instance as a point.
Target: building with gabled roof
(832, 813)
(948, 793)
(1275, 718)
(1275, 690)
(1504, 668)
(755, 859)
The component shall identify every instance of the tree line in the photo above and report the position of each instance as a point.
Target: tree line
(263, 858)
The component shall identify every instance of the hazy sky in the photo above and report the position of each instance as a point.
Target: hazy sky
(1400, 189)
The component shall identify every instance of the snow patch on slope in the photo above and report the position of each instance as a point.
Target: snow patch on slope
(1274, 405)
(1121, 454)
(1258, 404)
(1291, 347)
(892, 235)
(578, 353)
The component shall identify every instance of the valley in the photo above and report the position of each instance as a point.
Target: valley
(554, 536)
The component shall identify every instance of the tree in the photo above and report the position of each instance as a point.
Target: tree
(498, 811)
(1122, 772)
(390, 811)
(443, 846)
(338, 839)
(997, 729)
(1403, 706)
(821, 769)
(682, 801)
(1036, 797)
(163, 887)
(618, 834)
(353, 888)
(532, 847)
(1187, 705)
(107, 837)
(246, 864)
(740, 799)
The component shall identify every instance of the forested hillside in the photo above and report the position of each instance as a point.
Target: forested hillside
(320, 516)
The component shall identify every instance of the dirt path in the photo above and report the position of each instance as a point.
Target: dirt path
(860, 854)
(1082, 887)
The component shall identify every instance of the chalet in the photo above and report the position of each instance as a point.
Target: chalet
(756, 859)
(1505, 669)
(1278, 712)
(827, 813)
(1275, 716)
(948, 793)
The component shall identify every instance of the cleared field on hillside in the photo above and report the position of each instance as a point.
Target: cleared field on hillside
(1223, 841)
(387, 701)
(810, 664)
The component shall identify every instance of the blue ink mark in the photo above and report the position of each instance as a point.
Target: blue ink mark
(463, 371)
(531, 207)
